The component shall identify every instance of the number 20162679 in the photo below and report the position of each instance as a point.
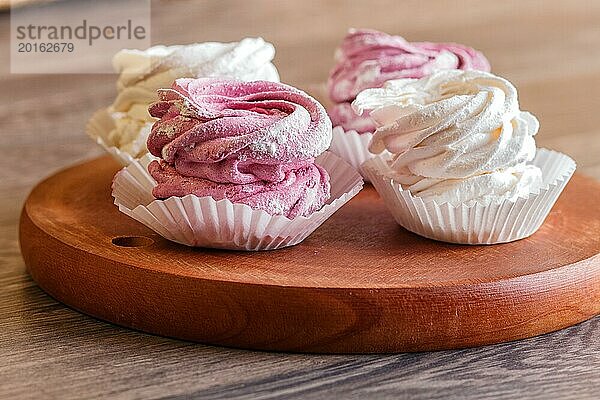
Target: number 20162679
(43, 47)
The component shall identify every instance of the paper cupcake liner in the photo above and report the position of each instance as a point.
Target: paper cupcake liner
(205, 222)
(98, 128)
(351, 146)
(475, 222)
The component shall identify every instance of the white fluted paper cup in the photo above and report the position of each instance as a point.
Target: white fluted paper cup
(98, 128)
(475, 222)
(205, 222)
(351, 146)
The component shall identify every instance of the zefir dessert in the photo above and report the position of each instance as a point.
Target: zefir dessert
(367, 59)
(242, 165)
(123, 128)
(461, 163)
(253, 143)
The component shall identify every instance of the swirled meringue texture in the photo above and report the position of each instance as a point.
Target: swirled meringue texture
(368, 58)
(249, 142)
(455, 136)
(142, 73)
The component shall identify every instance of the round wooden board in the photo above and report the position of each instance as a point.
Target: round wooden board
(359, 284)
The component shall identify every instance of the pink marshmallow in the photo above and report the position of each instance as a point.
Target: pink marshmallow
(368, 58)
(249, 142)
(344, 116)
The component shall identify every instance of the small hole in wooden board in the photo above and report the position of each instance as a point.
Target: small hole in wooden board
(132, 241)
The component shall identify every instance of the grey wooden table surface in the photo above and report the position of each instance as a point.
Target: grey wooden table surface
(549, 49)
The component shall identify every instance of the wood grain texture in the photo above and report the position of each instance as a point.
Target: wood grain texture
(549, 49)
(359, 284)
